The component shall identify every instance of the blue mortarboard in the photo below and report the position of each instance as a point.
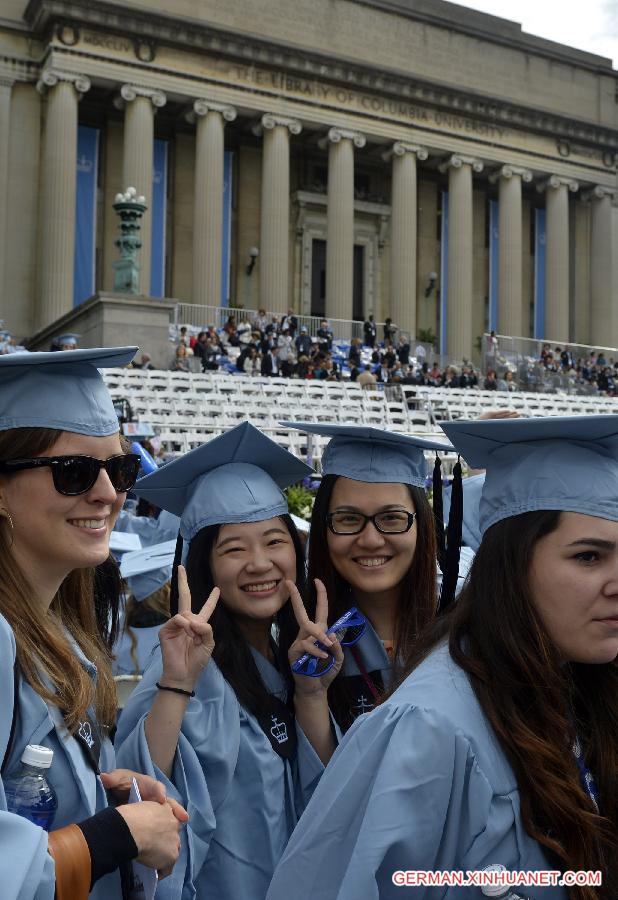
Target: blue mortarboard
(557, 463)
(121, 542)
(61, 390)
(70, 339)
(238, 477)
(371, 454)
(148, 569)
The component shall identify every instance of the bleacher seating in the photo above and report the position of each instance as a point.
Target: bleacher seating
(187, 409)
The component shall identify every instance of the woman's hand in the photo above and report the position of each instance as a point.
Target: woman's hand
(119, 781)
(309, 633)
(154, 828)
(187, 640)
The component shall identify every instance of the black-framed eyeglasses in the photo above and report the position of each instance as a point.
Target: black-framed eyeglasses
(391, 521)
(75, 475)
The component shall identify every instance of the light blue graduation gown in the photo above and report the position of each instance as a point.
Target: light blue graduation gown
(419, 783)
(147, 639)
(243, 799)
(26, 868)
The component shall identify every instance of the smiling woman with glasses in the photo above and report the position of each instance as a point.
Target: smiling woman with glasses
(63, 479)
(373, 544)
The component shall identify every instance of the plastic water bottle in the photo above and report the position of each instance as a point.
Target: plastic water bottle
(28, 792)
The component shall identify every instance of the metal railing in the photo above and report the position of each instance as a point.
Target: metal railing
(195, 316)
(524, 358)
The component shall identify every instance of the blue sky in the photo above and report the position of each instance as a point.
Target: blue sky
(591, 26)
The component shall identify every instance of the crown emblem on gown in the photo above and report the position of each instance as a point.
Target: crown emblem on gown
(279, 730)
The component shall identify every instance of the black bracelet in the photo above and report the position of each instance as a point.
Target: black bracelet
(164, 687)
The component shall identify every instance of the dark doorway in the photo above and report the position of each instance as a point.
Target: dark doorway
(358, 289)
(318, 278)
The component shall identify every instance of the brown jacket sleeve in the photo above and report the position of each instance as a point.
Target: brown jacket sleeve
(72, 858)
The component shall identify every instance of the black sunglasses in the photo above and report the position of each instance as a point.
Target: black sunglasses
(75, 475)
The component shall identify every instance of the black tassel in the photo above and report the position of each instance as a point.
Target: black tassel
(174, 581)
(438, 512)
(450, 573)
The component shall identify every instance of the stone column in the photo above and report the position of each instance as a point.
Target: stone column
(510, 261)
(6, 85)
(139, 105)
(340, 221)
(459, 302)
(404, 234)
(59, 179)
(275, 210)
(208, 200)
(557, 256)
(603, 316)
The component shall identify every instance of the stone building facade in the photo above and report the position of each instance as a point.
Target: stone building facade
(405, 158)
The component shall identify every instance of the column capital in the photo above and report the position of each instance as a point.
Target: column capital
(598, 192)
(556, 181)
(51, 77)
(400, 148)
(456, 161)
(508, 171)
(336, 135)
(201, 107)
(129, 92)
(272, 120)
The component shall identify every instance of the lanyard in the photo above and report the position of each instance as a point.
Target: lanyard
(586, 776)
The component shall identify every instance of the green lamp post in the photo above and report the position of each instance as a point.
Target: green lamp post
(130, 208)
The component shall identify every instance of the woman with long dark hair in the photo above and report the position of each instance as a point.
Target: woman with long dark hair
(64, 474)
(499, 746)
(373, 545)
(218, 716)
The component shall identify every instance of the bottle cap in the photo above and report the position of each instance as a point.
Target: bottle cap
(40, 757)
(495, 890)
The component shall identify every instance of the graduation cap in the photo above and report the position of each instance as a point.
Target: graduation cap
(374, 455)
(69, 340)
(123, 542)
(148, 569)
(61, 390)
(565, 463)
(237, 477)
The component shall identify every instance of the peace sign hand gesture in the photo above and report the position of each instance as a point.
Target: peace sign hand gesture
(309, 633)
(186, 639)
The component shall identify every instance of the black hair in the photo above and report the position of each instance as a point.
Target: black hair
(232, 652)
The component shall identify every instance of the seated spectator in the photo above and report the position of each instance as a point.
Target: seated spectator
(354, 355)
(303, 342)
(468, 379)
(507, 383)
(434, 376)
(290, 322)
(180, 363)
(144, 362)
(451, 378)
(384, 374)
(388, 356)
(288, 366)
(273, 327)
(252, 362)
(390, 329)
(243, 329)
(367, 379)
(198, 348)
(270, 363)
(210, 353)
(324, 335)
(403, 351)
(331, 369)
(491, 383)
(354, 369)
(260, 321)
